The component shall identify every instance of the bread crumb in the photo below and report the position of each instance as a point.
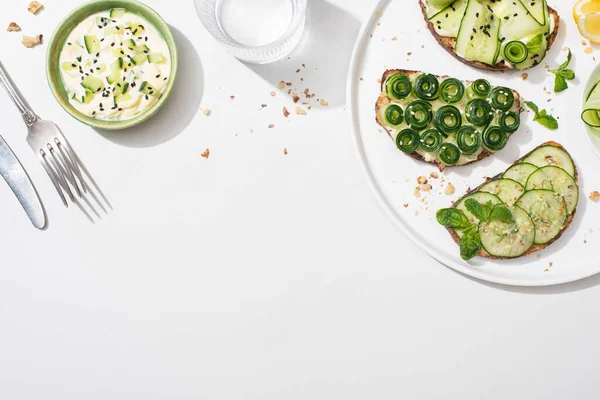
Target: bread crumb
(405, 205)
(286, 113)
(285, 151)
(583, 42)
(323, 103)
(232, 97)
(426, 187)
(13, 27)
(395, 38)
(524, 75)
(34, 7)
(288, 84)
(421, 180)
(379, 13)
(296, 98)
(588, 50)
(30, 42)
(434, 175)
(595, 195)
(449, 189)
(416, 212)
(300, 111)
(273, 94)
(417, 192)
(298, 70)
(271, 126)
(206, 153)
(207, 112)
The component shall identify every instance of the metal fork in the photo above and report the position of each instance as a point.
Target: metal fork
(54, 152)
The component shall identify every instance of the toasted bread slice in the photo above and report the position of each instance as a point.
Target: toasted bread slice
(536, 247)
(384, 100)
(449, 43)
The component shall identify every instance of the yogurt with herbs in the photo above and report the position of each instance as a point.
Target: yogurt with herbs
(115, 65)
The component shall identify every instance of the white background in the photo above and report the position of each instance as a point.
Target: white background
(253, 274)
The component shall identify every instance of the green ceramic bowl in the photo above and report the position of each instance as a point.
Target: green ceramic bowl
(59, 39)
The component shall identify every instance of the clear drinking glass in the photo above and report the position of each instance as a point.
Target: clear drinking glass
(255, 31)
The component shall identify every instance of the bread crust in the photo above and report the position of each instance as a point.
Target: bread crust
(535, 247)
(449, 43)
(383, 101)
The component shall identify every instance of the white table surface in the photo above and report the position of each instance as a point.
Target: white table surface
(253, 274)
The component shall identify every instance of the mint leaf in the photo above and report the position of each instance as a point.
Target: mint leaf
(548, 121)
(560, 83)
(567, 74)
(453, 218)
(501, 213)
(533, 107)
(480, 211)
(566, 63)
(470, 244)
(535, 44)
(542, 117)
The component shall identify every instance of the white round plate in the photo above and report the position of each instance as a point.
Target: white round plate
(593, 134)
(395, 36)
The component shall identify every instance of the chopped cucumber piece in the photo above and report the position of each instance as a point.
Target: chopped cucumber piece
(477, 38)
(147, 89)
(557, 180)
(551, 155)
(115, 68)
(507, 190)
(67, 66)
(122, 98)
(447, 21)
(156, 58)
(100, 69)
(139, 59)
(520, 172)
(136, 29)
(130, 43)
(85, 97)
(117, 12)
(119, 52)
(508, 239)
(121, 88)
(92, 44)
(548, 212)
(102, 22)
(114, 30)
(92, 83)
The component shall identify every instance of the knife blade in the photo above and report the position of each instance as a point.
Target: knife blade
(14, 174)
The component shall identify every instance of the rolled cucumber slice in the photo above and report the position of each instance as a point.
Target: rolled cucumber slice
(477, 38)
(507, 190)
(551, 155)
(447, 22)
(557, 180)
(591, 108)
(481, 197)
(508, 239)
(520, 172)
(548, 212)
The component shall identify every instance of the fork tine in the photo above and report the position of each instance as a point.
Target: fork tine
(60, 172)
(67, 167)
(53, 178)
(69, 154)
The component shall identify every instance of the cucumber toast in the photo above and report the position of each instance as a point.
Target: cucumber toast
(493, 34)
(518, 212)
(445, 121)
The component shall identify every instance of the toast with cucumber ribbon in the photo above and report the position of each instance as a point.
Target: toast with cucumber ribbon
(446, 121)
(493, 34)
(520, 211)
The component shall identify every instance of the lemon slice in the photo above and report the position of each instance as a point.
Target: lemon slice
(587, 17)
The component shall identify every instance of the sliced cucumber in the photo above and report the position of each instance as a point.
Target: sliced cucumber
(591, 108)
(136, 29)
(508, 239)
(117, 12)
(121, 88)
(85, 97)
(520, 172)
(447, 21)
(68, 66)
(115, 68)
(557, 180)
(92, 83)
(507, 190)
(477, 38)
(118, 52)
(481, 197)
(122, 98)
(139, 59)
(551, 155)
(156, 58)
(538, 10)
(548, 212)
(435, 6)
(92, 44)
(517, 23)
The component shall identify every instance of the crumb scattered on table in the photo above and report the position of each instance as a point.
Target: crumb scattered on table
(207, 112)
(449, 189)
(524, 75)
(281, 85)
(273, 94)
(30, 42)
(206, 153)
(286, 113)
(300, 111)
(595, 195)
(13, 27)
(271, 126)
(323, 103)
(34, 7)
(285, 151)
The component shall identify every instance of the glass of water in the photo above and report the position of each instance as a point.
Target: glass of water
(255, 31)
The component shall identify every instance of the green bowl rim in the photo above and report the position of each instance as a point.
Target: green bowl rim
(162, 27)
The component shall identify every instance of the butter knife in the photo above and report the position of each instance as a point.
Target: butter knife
(14, 174)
